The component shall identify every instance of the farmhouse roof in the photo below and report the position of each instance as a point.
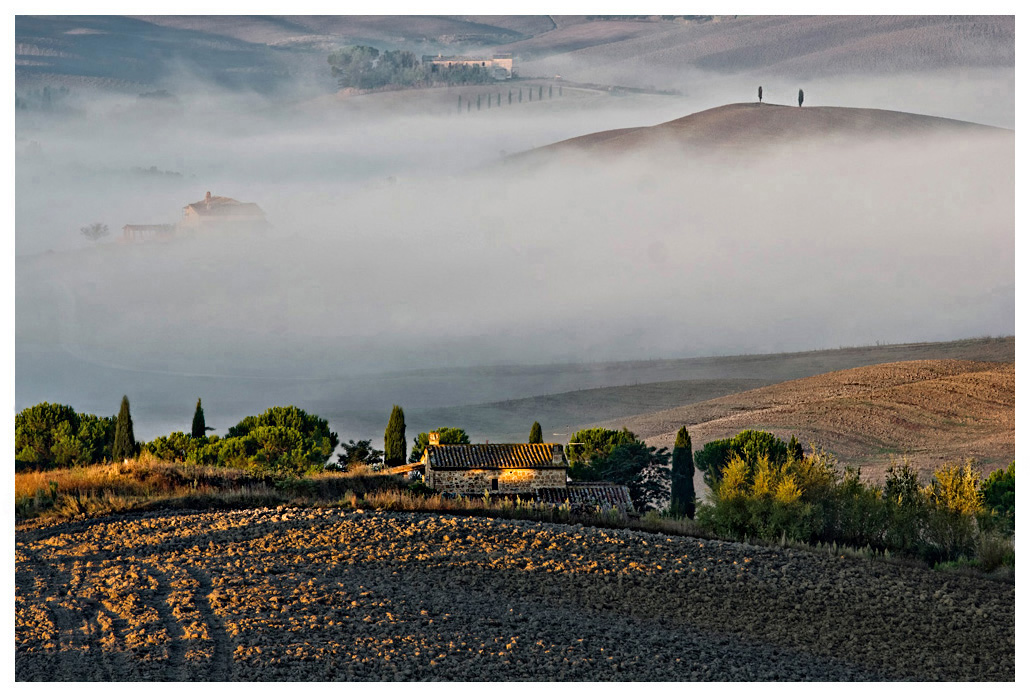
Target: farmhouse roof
(496, 456)
(588, 493)
(222, 205)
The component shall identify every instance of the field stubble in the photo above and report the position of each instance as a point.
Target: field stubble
(328, 594)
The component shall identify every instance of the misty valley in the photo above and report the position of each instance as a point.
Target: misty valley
(594, 317)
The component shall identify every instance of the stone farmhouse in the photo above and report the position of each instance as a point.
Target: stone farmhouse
(211, 214)
(501, 66)
(537, 471)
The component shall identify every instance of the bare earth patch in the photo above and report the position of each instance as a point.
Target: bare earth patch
(930, 411)
(298, 594)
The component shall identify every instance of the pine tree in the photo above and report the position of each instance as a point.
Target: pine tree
(124, 442)
(535, 433)
(199, 429)
(683, 500)
(395, 444)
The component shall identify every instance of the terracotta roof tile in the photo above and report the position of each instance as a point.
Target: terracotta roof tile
(495, 456)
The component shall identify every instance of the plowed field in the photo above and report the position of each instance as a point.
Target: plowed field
(298, 594)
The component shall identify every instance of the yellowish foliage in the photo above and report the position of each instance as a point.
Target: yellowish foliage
(766, 476)
(787, 489)
(956, 488)
(734, 479)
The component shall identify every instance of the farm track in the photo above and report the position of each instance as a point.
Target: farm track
(298, 594)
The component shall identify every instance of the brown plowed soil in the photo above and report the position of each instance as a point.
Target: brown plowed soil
(931, 411)
(296, 594)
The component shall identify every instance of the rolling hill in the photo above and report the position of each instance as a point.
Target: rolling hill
(745, 127)
(932, 411)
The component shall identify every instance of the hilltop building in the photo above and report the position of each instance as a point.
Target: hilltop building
(501, 66)
(221, 212)
(211, 214)
(531, 470)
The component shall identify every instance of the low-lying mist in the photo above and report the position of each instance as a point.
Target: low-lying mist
(404, 241)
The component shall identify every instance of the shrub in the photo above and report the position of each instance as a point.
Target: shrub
(749, 445)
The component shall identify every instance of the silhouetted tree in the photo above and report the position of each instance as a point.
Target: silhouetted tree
(794, 448)
(124, 441)
(479, 102)
(535, 433)
(459, 102)
(395, 444)
(683, 500)
(200, 428)
(801, 97)
(759, 93)
(94, 231)
(358, 453)
(509, 96)
(550, 91)
(520, 95)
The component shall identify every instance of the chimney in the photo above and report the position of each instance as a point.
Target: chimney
(434, 438)
(207, 199)
(557, 455)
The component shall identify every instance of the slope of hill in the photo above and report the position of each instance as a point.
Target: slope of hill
(580, 395)
(747, 126)
(783, 45)
(930, 411)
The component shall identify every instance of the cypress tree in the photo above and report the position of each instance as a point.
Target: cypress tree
(801, 97)
(509, 96)
(124, 441)
(199, 429)
(683, 502)
(535, 433)
(759, 93)
(395, 444)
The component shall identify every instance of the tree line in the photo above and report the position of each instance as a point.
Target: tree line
(366, 67)
(761, 486)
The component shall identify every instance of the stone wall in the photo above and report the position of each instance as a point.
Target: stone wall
(509, 481)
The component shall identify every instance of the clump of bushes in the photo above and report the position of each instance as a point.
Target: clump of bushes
(774, 494)
(281, 443)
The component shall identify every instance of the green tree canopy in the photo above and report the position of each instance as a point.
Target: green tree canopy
(749, 445)
(395, 443)
(585, 444)
(536, 434)
(124, 445)
(284, 442)
(449, 435)
(643, 469)
(53, 435)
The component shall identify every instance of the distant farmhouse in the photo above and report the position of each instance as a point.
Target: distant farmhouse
(211, 214)
(501, 66)
(531, 470)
